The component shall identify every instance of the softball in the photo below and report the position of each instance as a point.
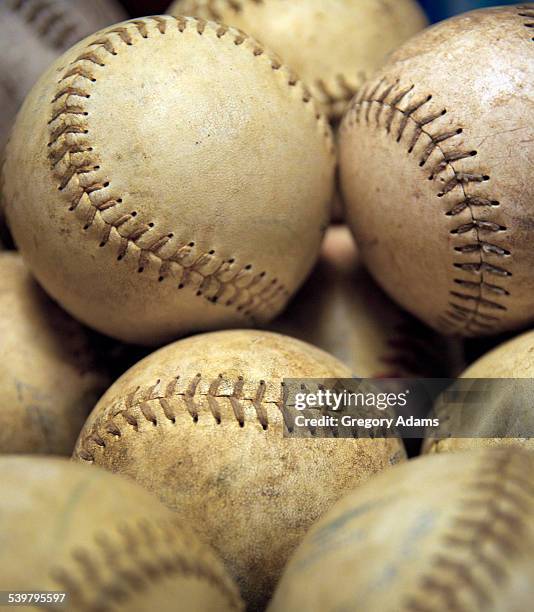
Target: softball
(447, 532)
(334, 45)
(436, 163)
(103, 542)
(200, 423)
(509, 403)
(50, 376)
(341, 310)
(175, 173)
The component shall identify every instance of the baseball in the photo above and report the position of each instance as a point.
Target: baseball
(104, 541)
(509, 403)
(50, 376)
(436, 163)
(177, 178)
(200, 423)
(341, 310)
(447, 532)
(34, 33)
(334, 45)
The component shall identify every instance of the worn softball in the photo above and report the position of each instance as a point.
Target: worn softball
(104, 541)
(334, 45)
(34, 33)
(175, 173)
(50, 376)
(436, 160)
(201, 424)
(342, 311)
(441, 533)
(509, 404)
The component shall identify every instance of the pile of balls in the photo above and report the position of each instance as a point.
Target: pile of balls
(260, 190)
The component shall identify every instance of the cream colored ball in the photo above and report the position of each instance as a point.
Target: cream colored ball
(103, 541)
(201, 424)
(440, 533)
(51, 372)
(436, 172)
(177, 178)
(508, 404)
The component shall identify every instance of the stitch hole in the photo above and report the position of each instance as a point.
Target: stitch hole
(119, 200)
(133, 213)
(421, 163)
(218, 420)
(120, 257)
(181, 286)
(85, 114)
(231, 261)
(140, 270)
(241, 424)
(199, 293)
(486, 177)
(248, 267)
(443, 112)
(428, 98)
(195, 418)
(495, 203)
(473, 153)
(151, 224)
(459, 131)
(161, 279)
(212, 252)
(96, 168)
(106, 184)
(263, 274)
(171, 235)
(265, 427)
(191, 244)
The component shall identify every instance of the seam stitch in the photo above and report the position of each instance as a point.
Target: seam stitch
(139, 405)
(146, 552)
(527, 11)
(320, 88)
(500, 478)
(73, 163)
(389, 96)
(48, 21)
(136, 405)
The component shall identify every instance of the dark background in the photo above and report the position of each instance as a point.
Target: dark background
(435, 9)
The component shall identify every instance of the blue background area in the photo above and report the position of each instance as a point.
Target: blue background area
(441, 9)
